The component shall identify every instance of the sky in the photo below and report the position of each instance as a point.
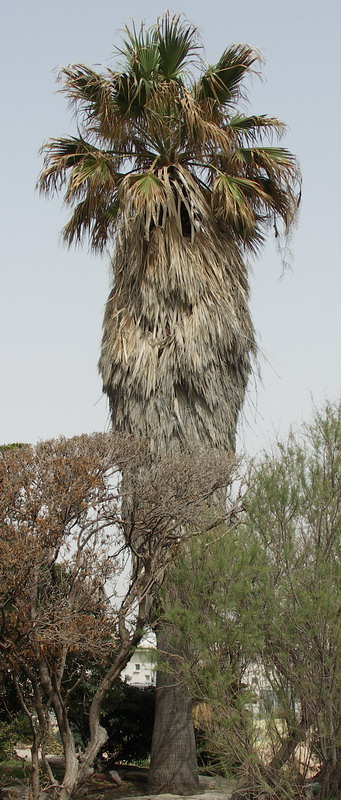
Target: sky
(53, 299)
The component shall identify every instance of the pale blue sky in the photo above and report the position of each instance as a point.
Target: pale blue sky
(53, 299)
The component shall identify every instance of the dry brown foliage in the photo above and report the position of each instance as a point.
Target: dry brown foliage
(71, 530)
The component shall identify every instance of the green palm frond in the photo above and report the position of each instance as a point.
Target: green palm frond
(221, 83)
(271, 157)
(278, 166)
(94, 167)
(60, 155)
(104, 99)
(177, 44)
(130, 95)
(161, 52)
(140, 53)
(254, 128)
(145, 184)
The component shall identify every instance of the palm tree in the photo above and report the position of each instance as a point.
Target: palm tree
(170, 174)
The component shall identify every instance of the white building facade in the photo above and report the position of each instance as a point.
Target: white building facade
(141, 669)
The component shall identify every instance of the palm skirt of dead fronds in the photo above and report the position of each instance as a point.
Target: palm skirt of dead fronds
(177, 331)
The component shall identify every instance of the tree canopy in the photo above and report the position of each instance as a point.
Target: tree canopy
(81, 560)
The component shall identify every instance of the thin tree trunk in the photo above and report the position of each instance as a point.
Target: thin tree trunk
(270, 773)
(296, 734)
(98, 734)
(173, 766)
(330, 780)
(37, 736)
(35, 778)
(71, 768)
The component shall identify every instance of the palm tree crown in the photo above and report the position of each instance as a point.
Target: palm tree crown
(137, 123)
(166, 166)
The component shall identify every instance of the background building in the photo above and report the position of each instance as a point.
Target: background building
(141, 669)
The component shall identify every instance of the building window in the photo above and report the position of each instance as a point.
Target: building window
(147, 677)
(137, 667)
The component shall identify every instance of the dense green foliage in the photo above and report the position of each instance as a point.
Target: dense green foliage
(264, 602)
(129, 723)
(127, 715)
(12, 446)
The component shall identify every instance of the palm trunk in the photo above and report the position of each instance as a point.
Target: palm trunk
(176, 357)
(173, 766)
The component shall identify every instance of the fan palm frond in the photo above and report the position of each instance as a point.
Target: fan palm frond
(89, 91)
(140, 52)
(251, 129)
(222, 82)
(177, 46)
(96, 217)
(273, 158)
(75, 161)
